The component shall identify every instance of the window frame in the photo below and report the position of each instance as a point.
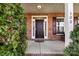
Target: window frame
(59, 32)
(55, 19)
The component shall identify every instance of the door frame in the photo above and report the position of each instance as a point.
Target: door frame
(45, 27)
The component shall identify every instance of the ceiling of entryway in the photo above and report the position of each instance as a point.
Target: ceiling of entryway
(47, 7)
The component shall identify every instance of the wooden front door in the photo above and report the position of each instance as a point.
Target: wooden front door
(39, 29)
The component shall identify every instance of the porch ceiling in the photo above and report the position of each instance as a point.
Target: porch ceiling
(47, 7)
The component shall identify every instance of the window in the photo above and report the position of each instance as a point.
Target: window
(33, 27)
(58, 26)
(76, 20)
(45, 28)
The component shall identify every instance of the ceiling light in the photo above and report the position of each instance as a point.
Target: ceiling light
(39, 6)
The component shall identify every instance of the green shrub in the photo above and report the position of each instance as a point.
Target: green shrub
(73, 48)
(12, 30)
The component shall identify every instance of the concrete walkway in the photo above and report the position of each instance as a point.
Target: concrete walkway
(45, 48)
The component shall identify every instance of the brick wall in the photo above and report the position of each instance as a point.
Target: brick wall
(51, 36)
(28, 27)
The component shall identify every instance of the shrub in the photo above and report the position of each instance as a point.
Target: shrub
(73, 48)
(12, 30)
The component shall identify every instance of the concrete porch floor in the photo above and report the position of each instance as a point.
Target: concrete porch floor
(46, 48)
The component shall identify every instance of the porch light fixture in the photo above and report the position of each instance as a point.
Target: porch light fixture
(38, 6)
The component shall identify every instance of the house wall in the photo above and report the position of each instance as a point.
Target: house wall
(51, 36)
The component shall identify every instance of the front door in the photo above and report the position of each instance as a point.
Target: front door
(39, 29)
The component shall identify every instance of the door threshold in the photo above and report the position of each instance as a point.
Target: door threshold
(39, 40)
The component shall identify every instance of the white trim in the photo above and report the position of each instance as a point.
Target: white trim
(45, 37)
(46, 32)
(33, 24)
(59, 17)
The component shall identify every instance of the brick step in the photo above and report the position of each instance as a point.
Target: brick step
(39, 40)
(44, 54)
